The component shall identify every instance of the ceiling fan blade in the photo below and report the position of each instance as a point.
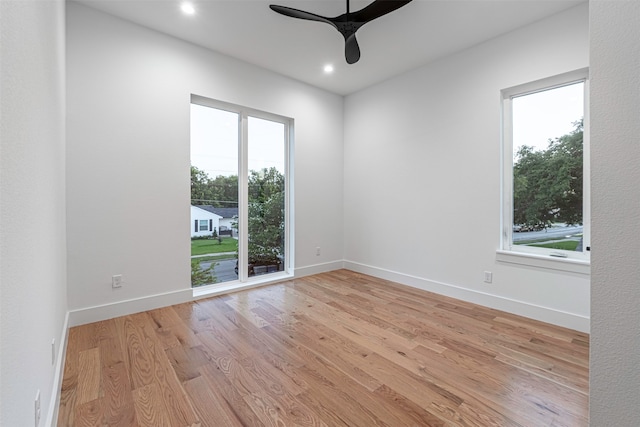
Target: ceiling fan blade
(377, 9)
(300, 14)
(351, 49)
(348, 23)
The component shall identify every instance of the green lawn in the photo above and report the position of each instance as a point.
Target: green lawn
(211, 246)
(567, 245)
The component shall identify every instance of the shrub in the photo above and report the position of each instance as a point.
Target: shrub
(200, 276)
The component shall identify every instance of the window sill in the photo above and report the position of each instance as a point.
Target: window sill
(227, 287)
(544, 261)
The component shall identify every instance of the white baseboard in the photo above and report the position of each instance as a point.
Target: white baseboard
(122, 308)
(319, 268)
(544, 314)
(54, 404)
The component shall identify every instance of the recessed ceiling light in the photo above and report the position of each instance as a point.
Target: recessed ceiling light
(328, 68)
(187, 8)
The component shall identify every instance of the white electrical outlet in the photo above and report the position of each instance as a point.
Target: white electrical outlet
(488, 277)
(317, 250)
(37, 409)
(53, 351)
(116, 281)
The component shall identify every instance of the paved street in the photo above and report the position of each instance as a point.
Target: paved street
(554, 233)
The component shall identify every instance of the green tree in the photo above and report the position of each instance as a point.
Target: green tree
(547, 184)
(224, 190)
(200, 188)
(221, 191)
(266, 216)
(202, 276)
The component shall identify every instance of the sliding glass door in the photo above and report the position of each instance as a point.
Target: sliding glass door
(239, 193)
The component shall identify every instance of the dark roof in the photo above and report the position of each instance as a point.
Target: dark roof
(223, 212)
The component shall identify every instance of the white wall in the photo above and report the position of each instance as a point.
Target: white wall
(615, 178)
(128, 94)
(32, 210)
(426, 146)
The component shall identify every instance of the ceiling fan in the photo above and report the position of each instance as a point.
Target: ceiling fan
(347, 23)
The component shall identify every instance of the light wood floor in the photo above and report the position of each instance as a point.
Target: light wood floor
(334, 349)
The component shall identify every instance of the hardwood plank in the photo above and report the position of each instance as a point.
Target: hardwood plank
(211, 408)
(415, 414)
(179, 408)
(321, 341)
(149, 407)
(88, 375)
(69, 386)
(577, 383)
(351, 402)
(281, 392)
(138, 359)
(80, 339)
(89, 413)
(422, 390)
(165, 317)
(184, 367)
(117, 404)
(333, 349)
(227, 396)
(497, 394)
(244, 306)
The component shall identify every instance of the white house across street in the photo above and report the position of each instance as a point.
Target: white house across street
(203, 222)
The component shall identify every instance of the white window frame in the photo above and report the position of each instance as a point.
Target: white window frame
(244, 281)
(206, 227)
(573, 261)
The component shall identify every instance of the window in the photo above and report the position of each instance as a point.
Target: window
(240, 171)
(545, 168)
(204, 225)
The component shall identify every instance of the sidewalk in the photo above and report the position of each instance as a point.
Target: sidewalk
(213, 254)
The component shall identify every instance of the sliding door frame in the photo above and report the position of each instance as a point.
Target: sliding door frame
(243, 194)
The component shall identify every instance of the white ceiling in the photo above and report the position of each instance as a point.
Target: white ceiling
(418, 33)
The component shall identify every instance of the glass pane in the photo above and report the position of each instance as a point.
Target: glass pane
(214, 195)
(266, 182)
(548, 168)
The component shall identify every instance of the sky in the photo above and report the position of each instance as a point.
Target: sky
(214, 142)
(546, 115)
